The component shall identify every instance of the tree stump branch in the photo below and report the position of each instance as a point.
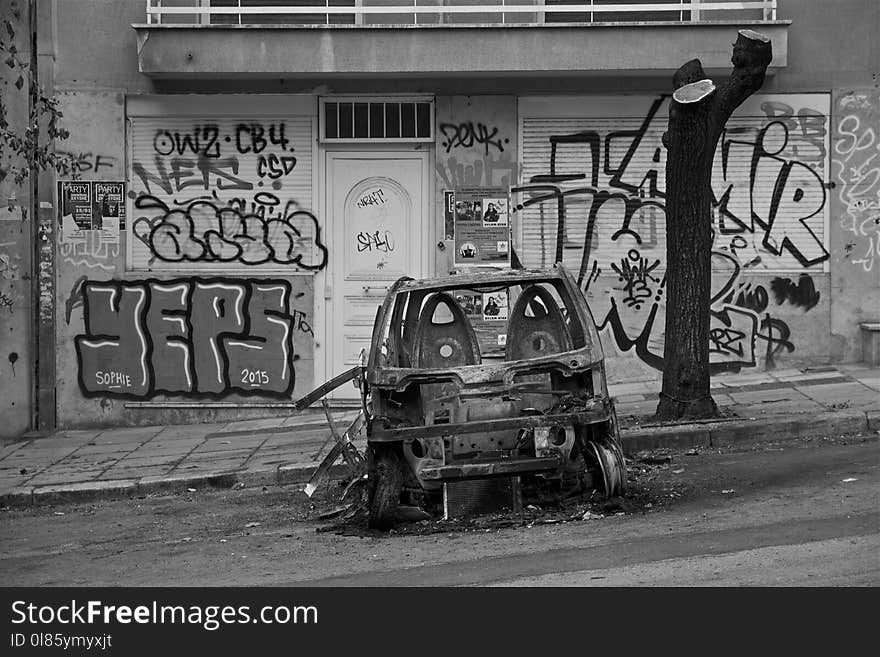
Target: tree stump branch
(697, 114)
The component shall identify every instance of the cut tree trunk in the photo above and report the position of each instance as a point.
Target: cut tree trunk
(697, 115)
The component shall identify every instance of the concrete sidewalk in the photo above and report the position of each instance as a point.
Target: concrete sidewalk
(83, 464)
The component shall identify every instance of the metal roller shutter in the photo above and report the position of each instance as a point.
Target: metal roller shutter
(253, 172)
(586, 164)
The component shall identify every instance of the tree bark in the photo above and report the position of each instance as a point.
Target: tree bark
(697, 115)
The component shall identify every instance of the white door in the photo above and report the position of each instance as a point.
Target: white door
(378, 213)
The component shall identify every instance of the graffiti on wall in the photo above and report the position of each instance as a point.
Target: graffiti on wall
(857, 163)
(470, 134)
(596, 201)
(214, 232)
(88, 249)
(197, 337)
(223, 193)
(85, 163)
(476, 146)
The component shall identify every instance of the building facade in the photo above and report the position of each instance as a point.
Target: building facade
(253, 175)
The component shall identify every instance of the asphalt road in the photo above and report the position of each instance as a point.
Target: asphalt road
(794, 513)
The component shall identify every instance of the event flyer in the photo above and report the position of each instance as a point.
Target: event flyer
(482, 227)
(96, 205)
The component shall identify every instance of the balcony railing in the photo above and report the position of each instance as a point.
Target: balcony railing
(459, 12)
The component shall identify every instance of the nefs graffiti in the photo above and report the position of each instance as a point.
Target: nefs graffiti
(229, 192)
(201, 337)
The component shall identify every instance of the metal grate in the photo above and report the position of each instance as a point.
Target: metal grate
(377, 120)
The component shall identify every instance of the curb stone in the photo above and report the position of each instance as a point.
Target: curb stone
(679, 436)
(720, 434)
(81, 491)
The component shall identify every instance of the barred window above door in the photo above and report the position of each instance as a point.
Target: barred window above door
(377, 120)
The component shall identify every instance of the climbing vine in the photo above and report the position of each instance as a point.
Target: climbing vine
(33, 148)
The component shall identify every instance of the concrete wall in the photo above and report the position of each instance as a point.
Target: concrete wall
(476, 147)
(855, 222)
(96, 68)
(597, 165)
(16, 357)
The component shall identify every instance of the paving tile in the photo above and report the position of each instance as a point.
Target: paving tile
(216, 464)
(130, 433)
(101, 451)
(9, 469)
(789, 371)
(871, 382)
(302, 436)
(305, 418)
(31, 460)
(217, 445)
(847, 399)
(213, 469)
(629, 398)
(51, 449)
(13, 481)
(226, 454)
(146, 462)
(637, 408)
(762, 396)
(633, 387)
(124, 440)
(831, 374)
(95, 464)
(742, 379)
(78, 433)
(175, 433)
(184, 444)
(263, 462)
(6, 450)
(72, 470)
(251, 425)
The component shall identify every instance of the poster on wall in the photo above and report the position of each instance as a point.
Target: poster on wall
(448, 214)
(109, 214)
(75, 207)
(495, 306)
(96, 205)
(481, 227)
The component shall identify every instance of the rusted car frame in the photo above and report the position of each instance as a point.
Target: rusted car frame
(444, 402)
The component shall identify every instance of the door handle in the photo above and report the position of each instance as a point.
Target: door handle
(367, 288)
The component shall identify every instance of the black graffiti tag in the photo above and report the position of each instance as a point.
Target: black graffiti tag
(381, 241)
(468, 134)
(207, 232)
(802, 294)
(637, 277)
(201, 140)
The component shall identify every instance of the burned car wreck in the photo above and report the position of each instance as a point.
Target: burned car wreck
(486, 375)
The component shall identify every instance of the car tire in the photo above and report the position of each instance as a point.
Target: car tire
(387, 478)
(608, 457)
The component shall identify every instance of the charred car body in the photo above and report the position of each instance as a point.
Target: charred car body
(495, 374)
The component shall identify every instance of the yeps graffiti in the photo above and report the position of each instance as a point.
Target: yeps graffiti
(199, 337)
(595, 199)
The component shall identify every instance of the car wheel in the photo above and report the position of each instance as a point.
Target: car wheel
(611, 466)
(387, 478)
